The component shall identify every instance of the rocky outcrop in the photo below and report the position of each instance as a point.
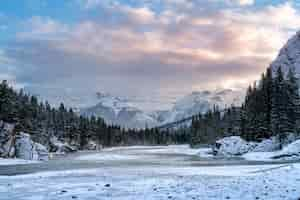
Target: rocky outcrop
(268, 148)
(92, 146)
(28, 150)
(236, 146)
(291, 151)
(7, 140)
(13, 145)
(231, 146)
(267, 145)
(289, 56)
(61, 147)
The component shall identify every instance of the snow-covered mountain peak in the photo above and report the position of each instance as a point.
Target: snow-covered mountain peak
(121, 111)
(191, 100)
(289, 56)
(115, 103)
(201, 102)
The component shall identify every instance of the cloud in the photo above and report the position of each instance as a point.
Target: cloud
(244, 2)
(138, 51)
(236, 2)
(38, 27)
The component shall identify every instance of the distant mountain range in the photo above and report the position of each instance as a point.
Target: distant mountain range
(120, 111)
(123, 112)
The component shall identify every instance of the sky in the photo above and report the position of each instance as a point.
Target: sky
(150, 51)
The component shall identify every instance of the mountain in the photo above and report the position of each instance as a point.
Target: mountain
(120, 111)
(289, 56)
(200, 102)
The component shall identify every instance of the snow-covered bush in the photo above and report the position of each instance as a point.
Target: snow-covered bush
(267, 145)
(291, 151)
(293, 148)
(231, 146)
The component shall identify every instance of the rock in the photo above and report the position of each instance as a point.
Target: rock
(107, 185)
(19, 145)
(288, 56)
(231, 146)
(6, 140)
(25, 147)
(42, 151)
(7, 149)
(61, 147)
(92, 146)
(267, 145)
(28, 150)
(291, 151)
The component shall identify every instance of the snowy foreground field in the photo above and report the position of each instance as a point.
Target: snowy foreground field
(137, 173)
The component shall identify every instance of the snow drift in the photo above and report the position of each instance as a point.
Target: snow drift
(231, 146)
(236, 146)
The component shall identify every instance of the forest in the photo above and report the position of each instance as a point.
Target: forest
(271, 108)
(42, 121)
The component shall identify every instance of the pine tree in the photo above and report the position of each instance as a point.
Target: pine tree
(281, 123)
(293, 106)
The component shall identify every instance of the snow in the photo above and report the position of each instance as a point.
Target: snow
(266, 150)
(61, 147)
(205, 153)
(260, 156)
(28, 150)
(267, 145)
(289, 152)
(115, 153)
(201, 102)
(173, 149)
(289, 56)
(293, 148)
(232, 146)
(116, 110)
(154, 182)
(106, 157)
(121, 111)
(92, 146)
(116, 103)
(16, 161)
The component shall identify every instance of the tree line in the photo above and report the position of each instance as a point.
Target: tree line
(42, 122)
(271, 108)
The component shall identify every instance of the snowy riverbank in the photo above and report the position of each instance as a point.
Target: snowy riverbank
(153, 173)
(11, 161)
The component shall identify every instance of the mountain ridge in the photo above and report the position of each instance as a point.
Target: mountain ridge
(120, 111)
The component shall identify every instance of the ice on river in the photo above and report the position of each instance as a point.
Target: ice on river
(155, 180)
(4, 161)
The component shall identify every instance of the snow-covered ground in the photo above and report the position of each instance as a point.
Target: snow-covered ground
(266, 150)
(155, 173)
(260, 156)
(4, 162)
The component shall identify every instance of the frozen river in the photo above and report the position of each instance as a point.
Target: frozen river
(172, 172)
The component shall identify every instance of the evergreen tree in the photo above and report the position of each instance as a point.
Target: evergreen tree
(281, 103)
